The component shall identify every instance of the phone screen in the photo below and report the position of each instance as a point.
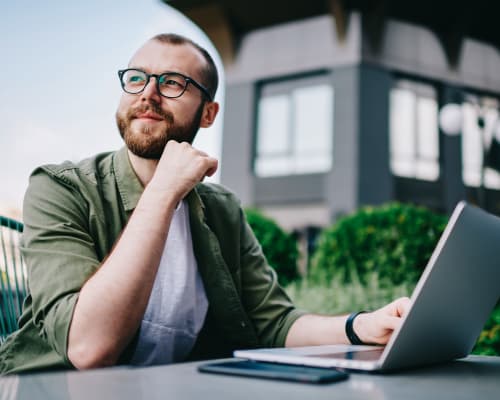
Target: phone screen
(258, 369)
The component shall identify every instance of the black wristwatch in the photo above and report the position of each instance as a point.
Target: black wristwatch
(349, 330)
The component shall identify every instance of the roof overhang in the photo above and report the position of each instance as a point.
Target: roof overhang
(227, 21)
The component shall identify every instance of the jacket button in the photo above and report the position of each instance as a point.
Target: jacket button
(242, 323)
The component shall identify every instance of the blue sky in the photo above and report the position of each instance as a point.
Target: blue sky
(60, 88)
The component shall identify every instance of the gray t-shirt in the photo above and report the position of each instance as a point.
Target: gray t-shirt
(178, 304)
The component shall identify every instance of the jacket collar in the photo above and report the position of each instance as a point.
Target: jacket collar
(129, 185)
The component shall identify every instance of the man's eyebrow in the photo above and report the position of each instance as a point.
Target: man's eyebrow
(136, 67)
(159, 72)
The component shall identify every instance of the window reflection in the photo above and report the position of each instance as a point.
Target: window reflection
(414, 134)
(475, 139)
(295, 128)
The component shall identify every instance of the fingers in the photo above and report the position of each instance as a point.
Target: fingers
(180, 168)
(213, 167)
(206, 165)
(403, 306)
(399, 307)
(390, 323)
(200, 152)
(377, 327)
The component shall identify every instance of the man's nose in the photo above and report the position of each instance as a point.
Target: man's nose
(151, 90)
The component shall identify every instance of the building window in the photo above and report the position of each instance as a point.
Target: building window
(476, 136)
(414, 133)
(295, 127)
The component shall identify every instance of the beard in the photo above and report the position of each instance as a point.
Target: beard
(146, 145)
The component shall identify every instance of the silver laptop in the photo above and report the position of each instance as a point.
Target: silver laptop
(449, 306)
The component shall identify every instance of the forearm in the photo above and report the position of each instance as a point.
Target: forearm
(374, 327)
(313, 330)
(112, 302)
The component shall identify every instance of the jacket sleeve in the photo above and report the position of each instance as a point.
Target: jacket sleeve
(59, 253)
(267, 304)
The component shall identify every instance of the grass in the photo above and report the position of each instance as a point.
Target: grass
(336, 297)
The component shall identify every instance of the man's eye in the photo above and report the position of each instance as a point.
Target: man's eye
(136, 79)
(170, 81)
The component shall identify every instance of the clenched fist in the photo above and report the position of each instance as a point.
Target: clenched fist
(180, 168)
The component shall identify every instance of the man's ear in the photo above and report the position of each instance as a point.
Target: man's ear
(210, 110)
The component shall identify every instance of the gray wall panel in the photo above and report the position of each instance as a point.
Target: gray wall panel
(341, 188)
(237, 144)
(375, 181)
(290, 189)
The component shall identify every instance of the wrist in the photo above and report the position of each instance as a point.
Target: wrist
(155, 195)
(156, 207)
(351, 333)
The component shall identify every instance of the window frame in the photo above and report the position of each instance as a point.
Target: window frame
(420, 87)
(476, 98)
(285, 85)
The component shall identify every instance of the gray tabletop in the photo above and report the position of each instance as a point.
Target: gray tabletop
(470, 378)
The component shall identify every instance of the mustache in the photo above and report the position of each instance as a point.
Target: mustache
(166, 115)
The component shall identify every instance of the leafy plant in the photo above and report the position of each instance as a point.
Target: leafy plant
(489, 341)
(279, 247)
(394, 241)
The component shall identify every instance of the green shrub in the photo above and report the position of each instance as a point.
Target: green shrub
(279, 247)
(489, 341)
(394, 240)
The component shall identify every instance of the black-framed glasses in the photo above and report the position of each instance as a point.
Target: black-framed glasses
(168, 84)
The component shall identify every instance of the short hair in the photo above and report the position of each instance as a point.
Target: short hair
(209, 73)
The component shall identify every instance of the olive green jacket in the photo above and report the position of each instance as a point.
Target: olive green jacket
(74, 213)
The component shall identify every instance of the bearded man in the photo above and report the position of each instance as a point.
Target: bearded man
(132, 260)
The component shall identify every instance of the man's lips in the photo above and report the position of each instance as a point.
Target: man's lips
(149, 115)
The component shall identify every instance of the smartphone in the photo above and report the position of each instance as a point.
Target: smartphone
(258, 369)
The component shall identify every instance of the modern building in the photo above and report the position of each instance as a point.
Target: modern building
(331, 105)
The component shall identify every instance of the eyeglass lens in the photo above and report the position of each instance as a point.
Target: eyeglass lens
(169, 84)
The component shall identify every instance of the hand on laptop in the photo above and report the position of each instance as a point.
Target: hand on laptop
(376, 327)
(372, 328)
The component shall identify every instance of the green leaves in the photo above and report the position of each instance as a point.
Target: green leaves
(394, 241)
(279, 247)
(489, 340)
